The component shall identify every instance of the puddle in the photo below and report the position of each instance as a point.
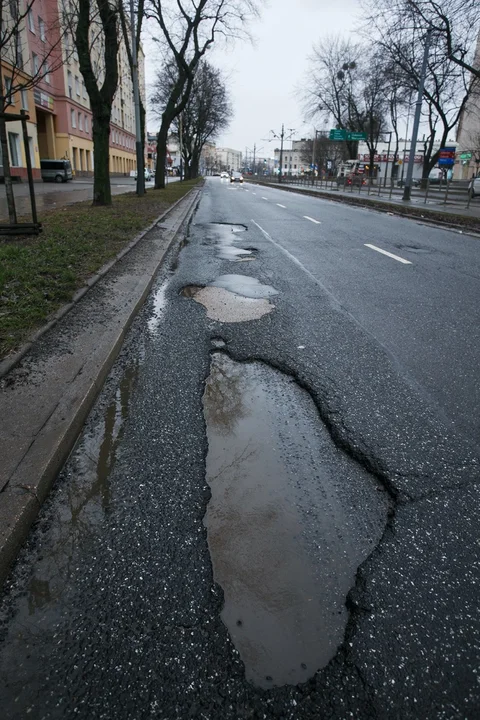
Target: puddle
(224, 236)
(159, 304)
(283, 524)
(227, 307)
(86, 499)
(244, 285)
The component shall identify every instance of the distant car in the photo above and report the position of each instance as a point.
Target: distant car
(224, 174)
(56, 170)
(147, 174)
(236, 177)
(474, 186)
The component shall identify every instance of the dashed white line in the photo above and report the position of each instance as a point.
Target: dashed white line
(317, 222)
(253, 193)
(384, 252)
(284, 206)
(264, 198)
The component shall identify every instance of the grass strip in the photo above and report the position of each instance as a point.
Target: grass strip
(38, 275)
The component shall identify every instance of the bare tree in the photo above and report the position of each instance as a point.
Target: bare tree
(97, 27)
(347, 86)
(457, 22)
(188, 29)
(399, 33)
(206, 113)
(140, 15)
(20, 73)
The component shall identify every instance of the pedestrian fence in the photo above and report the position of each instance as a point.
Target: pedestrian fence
(444, 193)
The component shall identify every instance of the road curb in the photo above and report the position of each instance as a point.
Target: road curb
(382, 206)
(20, 501)
(12, 360)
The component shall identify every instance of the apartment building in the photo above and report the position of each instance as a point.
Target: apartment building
(59, 105)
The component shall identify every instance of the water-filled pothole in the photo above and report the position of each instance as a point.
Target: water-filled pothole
(244, 285)
(226, 306)
(289, 521)
(224, 236)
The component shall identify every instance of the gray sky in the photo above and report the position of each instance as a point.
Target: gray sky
(262, 78)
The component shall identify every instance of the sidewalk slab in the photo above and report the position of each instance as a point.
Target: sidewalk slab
(45, 399)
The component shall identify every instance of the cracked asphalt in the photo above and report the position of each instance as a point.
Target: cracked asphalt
(112, 610)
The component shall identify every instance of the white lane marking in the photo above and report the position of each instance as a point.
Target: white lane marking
(317, 222)
(253, 193)
(264, 198)
(384, 252)
(245, 189)
(284, 206)
(292, 258)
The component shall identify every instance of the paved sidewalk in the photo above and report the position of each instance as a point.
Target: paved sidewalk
(45, 399)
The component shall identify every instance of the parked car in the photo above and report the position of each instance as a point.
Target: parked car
(56, 170)
(147, 174)
(474, 186)
(236, 177)
(354, 180)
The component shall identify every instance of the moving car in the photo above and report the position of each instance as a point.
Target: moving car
(224, 174)
(148, 174)
(236, 177)
(56, 170)
(474, 186)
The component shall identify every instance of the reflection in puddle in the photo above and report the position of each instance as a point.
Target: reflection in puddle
(244, 285)
(224, 235)
(284, 528)
(159, 304)
(87, 498)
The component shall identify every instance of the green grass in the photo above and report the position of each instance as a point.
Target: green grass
(39, 275)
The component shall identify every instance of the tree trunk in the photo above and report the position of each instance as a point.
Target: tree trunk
(143, 115)
(12, 213)
(194, 165)
(161, 154)
(102, 193)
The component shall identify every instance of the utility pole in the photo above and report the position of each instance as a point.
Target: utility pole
(313, 155)
(281, 137)
(180, 149)
(416, 122)
(136, 97)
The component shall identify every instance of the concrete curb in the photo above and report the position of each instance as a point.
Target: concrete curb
(12, 360)
(383, 206)
(32, 479)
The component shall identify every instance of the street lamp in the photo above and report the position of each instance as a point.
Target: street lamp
(281, 136)
(416, 122)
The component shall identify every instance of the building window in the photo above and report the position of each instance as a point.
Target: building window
(80, 121)
(24, 97)
(18, 50)
(14, 145)
(77, 85)
(46, 70)
(31, 22)
(70, 84)
(87, 124)
(73, 118)
(84, 90)
(36, 64)
(294, 167)
(41, 29)
(67, 45)
(8, 90)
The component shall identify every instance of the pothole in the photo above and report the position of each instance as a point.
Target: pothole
(285, 532)
(244, 285)
(227, 307)
(190, 291)
(224, 237)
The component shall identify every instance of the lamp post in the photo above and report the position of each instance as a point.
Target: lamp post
(313, 155)
(281, 137)
(136, 96)
(416, 122)
(255, 150)
(389, 133)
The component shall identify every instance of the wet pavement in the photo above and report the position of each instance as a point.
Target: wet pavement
(264, 518)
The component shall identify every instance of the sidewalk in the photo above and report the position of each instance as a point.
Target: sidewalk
(45, 399)
(455, 214)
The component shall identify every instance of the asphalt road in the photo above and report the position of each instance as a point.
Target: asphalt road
(259, 503)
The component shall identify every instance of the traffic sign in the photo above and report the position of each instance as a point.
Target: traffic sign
(356, 136)
(338, 135)
(447, 156)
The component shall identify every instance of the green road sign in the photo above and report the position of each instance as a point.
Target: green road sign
(356, 136)
(347, 135)
(338, 135)
(466, 156)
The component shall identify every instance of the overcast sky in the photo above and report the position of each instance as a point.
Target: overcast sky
(262, 78)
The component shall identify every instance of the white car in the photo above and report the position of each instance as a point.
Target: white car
(148, 174)
(224, 174)
(474, 186)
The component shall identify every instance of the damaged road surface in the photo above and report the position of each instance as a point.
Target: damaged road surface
(272, 510)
